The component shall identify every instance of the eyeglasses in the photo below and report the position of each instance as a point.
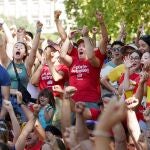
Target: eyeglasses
(135, 58)
(116, 49)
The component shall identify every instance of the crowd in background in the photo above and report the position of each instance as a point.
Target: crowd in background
(75, 93)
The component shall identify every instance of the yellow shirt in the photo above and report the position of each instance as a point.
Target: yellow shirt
(148, 91)
(115, 74)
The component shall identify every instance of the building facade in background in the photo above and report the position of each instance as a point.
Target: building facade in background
(34, 10)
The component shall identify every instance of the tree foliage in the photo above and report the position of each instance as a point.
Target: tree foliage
(132, 12)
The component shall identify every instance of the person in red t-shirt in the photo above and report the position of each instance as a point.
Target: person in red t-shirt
(51, 73)
(84, 69)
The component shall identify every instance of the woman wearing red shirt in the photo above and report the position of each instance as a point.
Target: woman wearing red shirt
(84, 68)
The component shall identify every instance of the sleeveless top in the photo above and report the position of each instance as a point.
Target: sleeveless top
(41, 117)
(22, 72)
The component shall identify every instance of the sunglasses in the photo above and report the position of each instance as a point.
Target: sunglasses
(116, 49)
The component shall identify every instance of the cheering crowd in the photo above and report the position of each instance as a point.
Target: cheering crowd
(75, 93)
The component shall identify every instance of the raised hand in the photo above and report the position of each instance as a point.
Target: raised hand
(70, 137)
(132, 102)
(48, 55)
(36, 108)
(19, 97)
(57, 88)
(43, 59)
(39, 26)
(146, 65)
(127, 62)
(1, 23)
(21, 34)
(115, 112)
(57, 13)
(79, 107)
(140, 28)
(144, 76)
(72, 34)
(7, 105)
(99, 16)
(70, 91)
(94, 30)
(85, 31)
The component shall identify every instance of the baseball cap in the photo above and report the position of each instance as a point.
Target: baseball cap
(128, 47)
(80, 41)
(53, 44)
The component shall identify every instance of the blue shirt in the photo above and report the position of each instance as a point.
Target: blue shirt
(42, 120)
(4, 79)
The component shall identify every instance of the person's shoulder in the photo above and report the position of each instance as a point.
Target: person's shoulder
(121, 66)
(3, 70)
(117, 69)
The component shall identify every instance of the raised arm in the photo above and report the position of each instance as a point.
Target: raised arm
(15, 124)
(9, 39)
(114, 116)
(4, 59)
(140, 92)
(66, 59)
(104, 40)
(32, 55)
(57, 75)
(125, 86)
(81, 129)
(122, 33)
(29, 116)
(120, 137)
(94, 32)
(89, 48)
(66, 108)
(20, 144)
(36, 75)
(139, 32)
(59, 26)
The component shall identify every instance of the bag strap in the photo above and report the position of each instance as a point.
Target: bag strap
(17, 75)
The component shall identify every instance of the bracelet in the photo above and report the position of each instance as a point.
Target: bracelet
(38, 30)
(101, 133)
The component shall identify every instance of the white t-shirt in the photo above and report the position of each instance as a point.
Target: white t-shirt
(103, 73)
(33, 90)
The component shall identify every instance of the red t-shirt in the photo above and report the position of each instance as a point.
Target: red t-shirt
(136, 78)
(46, 80)
(133, 77)
(74, 51)
(85, 78)
(37, 146)
(95, 113)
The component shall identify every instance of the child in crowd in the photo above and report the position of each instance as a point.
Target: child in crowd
(46, 106)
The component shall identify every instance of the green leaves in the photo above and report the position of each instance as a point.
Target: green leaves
(133, 12)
